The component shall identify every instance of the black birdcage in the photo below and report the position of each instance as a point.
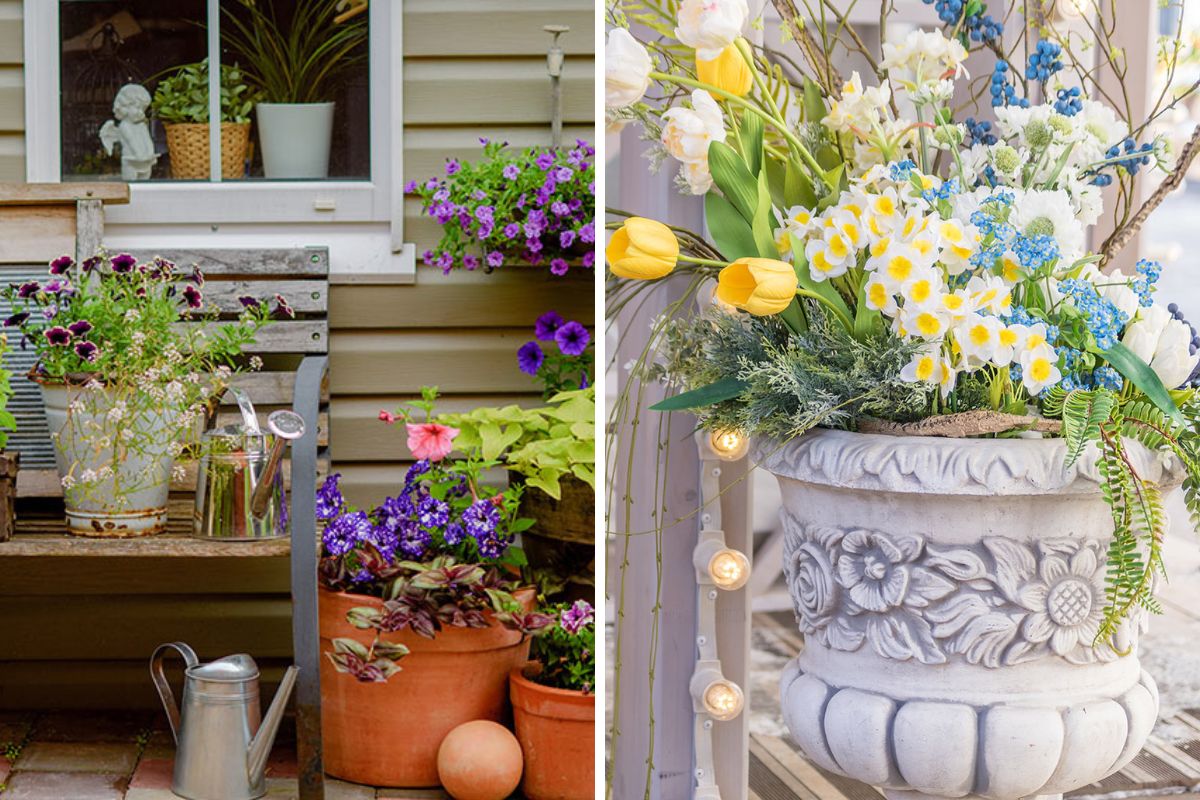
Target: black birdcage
(90, 80)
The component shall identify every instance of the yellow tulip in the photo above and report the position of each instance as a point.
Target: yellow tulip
(642, 249)
(761, 286)
(728, 71)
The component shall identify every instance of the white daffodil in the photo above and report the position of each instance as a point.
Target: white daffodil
(879, 297)
(626, 69)
(710, 26)
(895, 267)
(1039, 368)
(958, 242)
(926, 322)
(922, 289)
(955, 306)
(822, 264)
(858, 107)
(978, 337)
(1007, 342)
(799, 220)
(990, 293)
(925, 367)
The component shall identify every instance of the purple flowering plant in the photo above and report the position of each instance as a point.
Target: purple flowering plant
(565, 647)
(437, 553)
(560, 356)
(535, 206)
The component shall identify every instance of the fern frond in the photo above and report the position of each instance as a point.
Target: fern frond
(1083, 412)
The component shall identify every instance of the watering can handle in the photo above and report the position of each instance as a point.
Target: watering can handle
(160, 680)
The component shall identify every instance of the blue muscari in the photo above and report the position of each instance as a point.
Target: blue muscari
(1044, 61)
(979, 132)
(1069, 103)
(980, 27)
(1003, 92)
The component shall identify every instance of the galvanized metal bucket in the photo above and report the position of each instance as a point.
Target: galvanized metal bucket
(119, 504)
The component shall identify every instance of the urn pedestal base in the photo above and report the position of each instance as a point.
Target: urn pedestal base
(951, 594)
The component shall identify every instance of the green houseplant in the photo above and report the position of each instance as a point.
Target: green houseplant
(295, 66)
(550, 450)
(181, 102)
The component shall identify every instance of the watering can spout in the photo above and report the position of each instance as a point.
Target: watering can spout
(260, 747)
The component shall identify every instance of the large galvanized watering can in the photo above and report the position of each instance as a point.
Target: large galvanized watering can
(222, 741)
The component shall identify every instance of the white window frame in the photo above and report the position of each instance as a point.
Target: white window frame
(380, 199)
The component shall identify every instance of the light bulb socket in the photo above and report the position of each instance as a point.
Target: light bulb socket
(724, 445)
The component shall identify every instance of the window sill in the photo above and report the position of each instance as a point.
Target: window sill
(253, 202)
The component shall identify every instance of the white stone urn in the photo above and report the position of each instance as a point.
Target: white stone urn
(949, 591)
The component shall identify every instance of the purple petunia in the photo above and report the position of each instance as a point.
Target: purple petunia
(572, 338)
(589, 259)
(61, 265)
(546, 325)
(544, 161)
(283, 308)
(193, 297)
(563, 174)
(511, 172)
(16, 319)
(344, 532)
(90, 264)
(530, 358)
(559, 266)
(80, 328)
(471, 262)
(329, 498)
(577, 617)
(28, 290)
(248, 302)
(566, 239)
(588, 233)
(495, 259)
(452, 166)
(123, 264)
(58, 336)
(511, 230)
(410, 187)
(87, 351)
(559, 208)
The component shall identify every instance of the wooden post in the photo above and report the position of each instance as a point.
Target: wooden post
(653, 675)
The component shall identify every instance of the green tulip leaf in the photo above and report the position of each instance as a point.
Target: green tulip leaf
(724, 389)
(732, 234)
(1138, 372)
(750, 141)
(732, 177)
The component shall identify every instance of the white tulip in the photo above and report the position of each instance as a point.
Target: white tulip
(1142, 336)
(626, 69)
(687, 132)
(710, 25)
(1172, 362)
(697, 176)
(1122, 297)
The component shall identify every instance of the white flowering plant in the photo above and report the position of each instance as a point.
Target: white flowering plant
(880, 259)
(136, 342)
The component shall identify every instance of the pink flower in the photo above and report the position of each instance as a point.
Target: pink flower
(430, 440)
(387, 416)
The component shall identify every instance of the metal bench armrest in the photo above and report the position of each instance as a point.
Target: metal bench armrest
(305, 631)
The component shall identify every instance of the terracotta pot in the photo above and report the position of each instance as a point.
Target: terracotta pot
(557, 732)
(388, 734)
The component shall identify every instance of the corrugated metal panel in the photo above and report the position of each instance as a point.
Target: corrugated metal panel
(32, 436)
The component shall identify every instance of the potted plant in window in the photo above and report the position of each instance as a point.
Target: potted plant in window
(123, 381)
(412, 594)
(536, 206)
(554, 706)
(296, 68)
(181, 102)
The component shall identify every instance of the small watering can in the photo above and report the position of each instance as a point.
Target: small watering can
(239, 486)
(221, 745)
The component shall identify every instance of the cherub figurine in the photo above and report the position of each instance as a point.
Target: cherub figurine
(132, 131)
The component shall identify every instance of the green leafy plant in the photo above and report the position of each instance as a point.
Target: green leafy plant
(566, 647)
(299, 62)
(183, 95)
(542, 444)
(7, 421)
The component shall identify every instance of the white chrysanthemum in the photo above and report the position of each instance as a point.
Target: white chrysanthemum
(1036, 212)
(922, 55)
(1101, 123)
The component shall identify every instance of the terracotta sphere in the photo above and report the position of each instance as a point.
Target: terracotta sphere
(480, 760)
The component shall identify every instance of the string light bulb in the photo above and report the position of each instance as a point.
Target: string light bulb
(728, 445)
(729, 569)
(721, 699)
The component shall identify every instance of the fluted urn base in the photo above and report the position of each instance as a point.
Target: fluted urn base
(950, 593)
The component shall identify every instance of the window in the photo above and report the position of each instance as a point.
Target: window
(80, 53)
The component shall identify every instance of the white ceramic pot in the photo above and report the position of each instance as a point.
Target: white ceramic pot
(949, 591)
(131, 499)
(295, 139)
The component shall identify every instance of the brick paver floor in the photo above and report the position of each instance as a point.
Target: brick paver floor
(129, 756)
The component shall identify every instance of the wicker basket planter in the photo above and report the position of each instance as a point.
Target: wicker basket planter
(187, 143)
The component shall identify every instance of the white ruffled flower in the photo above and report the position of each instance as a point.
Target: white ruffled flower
(857, 107)
(1141, 336)
(1051, 213)
(1102, 123)
(687, 133)
(1164, 343)
(626, 69)
(921, 50)
(710, 25)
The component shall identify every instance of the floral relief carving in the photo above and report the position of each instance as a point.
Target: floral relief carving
(998, 603)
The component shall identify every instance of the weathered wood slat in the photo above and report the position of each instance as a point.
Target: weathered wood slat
(45, 482)
(168, 545)
(35, 235)
(146, 575)
(118, 626)
(271, 388)
(488, 28)
(283, 336)
(256, 263)
(38, 194)
(305, 297)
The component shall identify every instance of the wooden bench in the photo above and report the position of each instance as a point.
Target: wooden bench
(69, 218)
